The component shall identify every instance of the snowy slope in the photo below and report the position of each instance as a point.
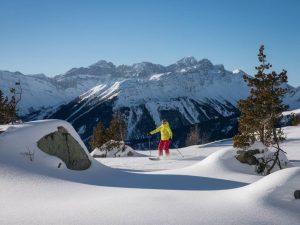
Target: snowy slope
(216, 159)
(198, 193)
(38, 91)
(43, 93)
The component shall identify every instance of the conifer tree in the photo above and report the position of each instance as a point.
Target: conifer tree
(8, 108)
(111, 136)
(99, 136)
(3, 108)
(262, 110)
(16, 97)
(117, 129)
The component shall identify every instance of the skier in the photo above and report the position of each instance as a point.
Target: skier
(165, 137)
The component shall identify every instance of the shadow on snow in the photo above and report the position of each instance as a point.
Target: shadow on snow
(101, 175)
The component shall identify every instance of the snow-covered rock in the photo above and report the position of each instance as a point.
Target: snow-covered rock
(62, 145)
(262, 157)
(21, 142)
(114, 149)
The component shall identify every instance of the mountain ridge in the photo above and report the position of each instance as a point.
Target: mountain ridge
(186, 93)
(76, 81)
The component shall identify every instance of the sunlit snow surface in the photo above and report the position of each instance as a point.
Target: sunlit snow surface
(205, 186)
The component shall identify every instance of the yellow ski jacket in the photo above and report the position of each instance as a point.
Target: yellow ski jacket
(165, 131)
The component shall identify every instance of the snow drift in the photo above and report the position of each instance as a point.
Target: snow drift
(197, 194)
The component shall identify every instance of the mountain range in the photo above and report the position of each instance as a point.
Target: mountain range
(186, 93)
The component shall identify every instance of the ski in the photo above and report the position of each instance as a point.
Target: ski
(154, 158)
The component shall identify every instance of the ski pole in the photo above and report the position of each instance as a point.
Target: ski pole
(149, 145)
(179, 151)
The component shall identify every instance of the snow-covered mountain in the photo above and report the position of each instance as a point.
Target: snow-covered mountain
(186, 92)
(41, 93)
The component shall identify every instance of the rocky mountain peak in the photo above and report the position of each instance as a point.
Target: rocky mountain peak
(187, 61)
(147, 68)
(205, 64)
(103, 64)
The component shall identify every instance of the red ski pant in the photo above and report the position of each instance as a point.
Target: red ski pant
(163, 145)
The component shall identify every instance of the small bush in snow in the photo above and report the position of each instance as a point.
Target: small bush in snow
(29, 154)
(267, 158)
(264, 158)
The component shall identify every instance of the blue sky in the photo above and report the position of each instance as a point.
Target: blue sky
(54, 36)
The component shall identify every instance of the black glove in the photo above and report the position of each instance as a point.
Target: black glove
(148, 134)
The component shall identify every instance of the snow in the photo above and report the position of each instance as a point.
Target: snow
(82, 129)
(206, 186)
(41, 92)
(156, 76)
(296, 112)
(101, 91)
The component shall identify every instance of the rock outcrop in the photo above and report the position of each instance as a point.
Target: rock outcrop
(62, 145)
(114, 149)
(263, 158)
(297, 194)
(248, 156)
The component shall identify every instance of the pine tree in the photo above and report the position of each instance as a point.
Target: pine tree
(99, 136)
(117, 129)
(7, 108)
(3, 106)
(262, 110)
(16, 93)
(113, 136)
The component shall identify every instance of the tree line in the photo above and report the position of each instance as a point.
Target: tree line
(117, 131)
(8, 106)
